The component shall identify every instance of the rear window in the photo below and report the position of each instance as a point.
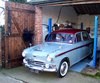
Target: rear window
(78, 37)
(85, 36)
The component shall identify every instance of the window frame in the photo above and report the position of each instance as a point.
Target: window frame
(80, 35)
(87, 34)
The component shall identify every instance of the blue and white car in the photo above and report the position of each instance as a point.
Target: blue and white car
(61, 50)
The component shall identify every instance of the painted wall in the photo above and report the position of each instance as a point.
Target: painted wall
(67, 13)
(88, 21)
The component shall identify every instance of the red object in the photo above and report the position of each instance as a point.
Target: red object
(70, 31)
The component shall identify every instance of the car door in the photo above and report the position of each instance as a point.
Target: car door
(87, 44)
(80, 44)
(77, 52)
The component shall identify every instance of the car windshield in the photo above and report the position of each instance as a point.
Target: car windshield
(60, 37)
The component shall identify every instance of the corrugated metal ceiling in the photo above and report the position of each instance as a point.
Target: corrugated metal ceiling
(91, 7)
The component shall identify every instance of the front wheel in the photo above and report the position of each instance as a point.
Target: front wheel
(63, 69)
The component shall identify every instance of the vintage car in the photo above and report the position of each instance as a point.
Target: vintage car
(61, 50)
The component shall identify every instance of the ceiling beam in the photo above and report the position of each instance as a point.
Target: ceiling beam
(69, 2)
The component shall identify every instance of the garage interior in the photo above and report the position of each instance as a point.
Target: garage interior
(80, 13)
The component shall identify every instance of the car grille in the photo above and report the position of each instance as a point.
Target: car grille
(35, 63)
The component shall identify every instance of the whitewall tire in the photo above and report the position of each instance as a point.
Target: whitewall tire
(63, 69)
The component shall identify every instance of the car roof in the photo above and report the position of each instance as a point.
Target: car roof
(70, 31)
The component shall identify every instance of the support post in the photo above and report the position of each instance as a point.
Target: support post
(50, 25)
(82, 25)
(95, 41)
(93, 62)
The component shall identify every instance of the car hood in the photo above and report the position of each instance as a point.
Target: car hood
(45, 48)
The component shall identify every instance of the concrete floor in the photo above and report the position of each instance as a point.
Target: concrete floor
(7, 79)
(23, 75)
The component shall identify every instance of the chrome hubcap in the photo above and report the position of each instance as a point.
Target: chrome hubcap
(64, 68)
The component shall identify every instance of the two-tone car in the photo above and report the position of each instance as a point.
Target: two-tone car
(61, 50)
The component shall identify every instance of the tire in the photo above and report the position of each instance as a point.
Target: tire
(63, 69)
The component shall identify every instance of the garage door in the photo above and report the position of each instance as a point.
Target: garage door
(18, 17)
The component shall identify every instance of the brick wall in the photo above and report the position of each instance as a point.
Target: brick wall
(38, 25)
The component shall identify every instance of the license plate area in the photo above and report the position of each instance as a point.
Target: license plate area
(34, 70)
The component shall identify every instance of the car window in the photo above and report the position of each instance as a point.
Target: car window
(60, 37)
(78, 37)
(69, 38)
(85, 36)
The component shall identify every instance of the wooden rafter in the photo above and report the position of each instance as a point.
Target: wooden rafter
(69, 2)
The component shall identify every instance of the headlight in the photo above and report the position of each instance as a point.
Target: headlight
(23, 53)
(49, 58)
(24, 61)
(47, 66)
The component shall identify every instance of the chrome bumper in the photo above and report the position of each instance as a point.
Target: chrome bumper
(32, 67)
